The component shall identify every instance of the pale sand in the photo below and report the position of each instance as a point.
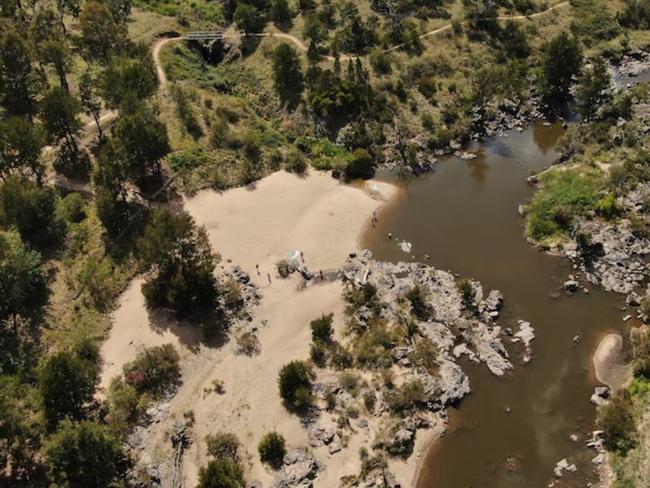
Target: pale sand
(609, 364)
(283, 213)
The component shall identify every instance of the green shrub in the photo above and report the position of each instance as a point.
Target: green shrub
(272, 449)
(124, 405)
(321, 329)
(467, 293)
(607, 207)
(73, 207)
(318, 354)
(361, 165)
(223, 445)
(616, 420)
(295, 162)
(407, 397)
(418, 300)
(565, 194)
(221, 473)
(153, 370)
(189, 159)
(373, 348)
(340, 357)
(295, 385)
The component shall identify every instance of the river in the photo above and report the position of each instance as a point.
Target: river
(464, 216)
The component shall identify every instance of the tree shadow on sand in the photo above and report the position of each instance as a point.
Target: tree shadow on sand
(209, 331)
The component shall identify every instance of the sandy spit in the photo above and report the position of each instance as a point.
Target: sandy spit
(609, 362)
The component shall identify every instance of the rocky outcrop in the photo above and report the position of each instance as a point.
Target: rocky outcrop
(299, 468)
(613, 256)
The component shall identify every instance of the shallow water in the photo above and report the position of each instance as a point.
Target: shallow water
(464, 216)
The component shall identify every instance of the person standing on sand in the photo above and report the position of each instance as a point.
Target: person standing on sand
(302, 257)
(268, 275)
(257, 268)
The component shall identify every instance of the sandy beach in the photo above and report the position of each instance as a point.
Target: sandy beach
(253, 226)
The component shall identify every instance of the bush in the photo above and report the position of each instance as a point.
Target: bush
(407, 397)
(617, 423)
(318, 354)
(221, 473)
(607, 207)
(418, 300)
(153, 370)
(73, 207)
(340, 358)
(272, 449)
(223, 445)
(295, 162)
(321, 329)
(467, 293)
(295, 385)
(361, 165)
(124, 405)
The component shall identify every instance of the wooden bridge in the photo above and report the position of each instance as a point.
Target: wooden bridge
(204, 36)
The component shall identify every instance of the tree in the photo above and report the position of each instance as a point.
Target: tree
(32, 210)
(23, 284)
(280, 11)
(594, 88)
(120, 9)
(128, 81)
(70, 7)
(100, 35)
(83, 454)
(287, 74)
(142, 140)
(110, 179)
(361, 165)
(182, 262)
(51, 44)
(60, 112)
(221, 473)
(21, 141)
(272, 449)
(248, 18)
(67, 384)
(91, 105)
(295, 385)
(19, 81)
(561, 61)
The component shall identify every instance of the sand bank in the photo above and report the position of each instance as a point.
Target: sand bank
(609, 362)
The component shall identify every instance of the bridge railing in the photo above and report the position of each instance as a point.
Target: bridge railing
(204, 35)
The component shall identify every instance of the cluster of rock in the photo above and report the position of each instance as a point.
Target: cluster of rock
(299, 468)
(616, 256)
(632, 64)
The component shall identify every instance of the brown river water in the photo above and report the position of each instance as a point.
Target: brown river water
(464, 216)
